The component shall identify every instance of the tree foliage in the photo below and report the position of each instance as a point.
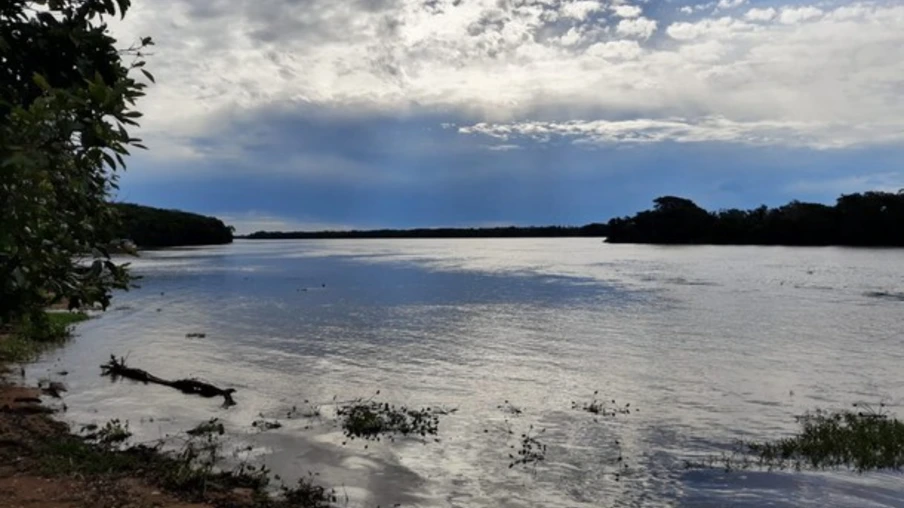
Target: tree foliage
(588, 230)
(67, 96)
(154, 227)
(869, 219)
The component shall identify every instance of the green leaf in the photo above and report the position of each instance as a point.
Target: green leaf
(109, 160)
(123, 7)
(41, 81)
(148, 75)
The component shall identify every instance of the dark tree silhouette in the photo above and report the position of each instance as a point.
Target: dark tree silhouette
(589, 230)
(868, 219)
(154, 227)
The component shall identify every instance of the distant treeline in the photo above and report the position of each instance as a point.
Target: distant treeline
(870, 219)
(155, 227)
(598, 230)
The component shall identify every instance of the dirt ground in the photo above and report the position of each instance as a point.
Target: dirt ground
(26, 422)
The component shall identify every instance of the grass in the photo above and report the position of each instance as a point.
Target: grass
(34, 336)
(196, 471)
(66, 319)
(863, 439)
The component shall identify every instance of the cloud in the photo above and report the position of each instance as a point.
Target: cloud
(683, 130)
(830, 76)
(793, 15)
(641, 28)
(715, 28)
(580, 9)
(730, 4)
(504, 148)
(761, 14)
(690, 9)
(615, 50)
(627, 11)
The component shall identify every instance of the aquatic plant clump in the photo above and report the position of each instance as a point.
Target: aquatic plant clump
(864, 439)
(532, 451)
(262, 424)
(602, 407)
(371, 420)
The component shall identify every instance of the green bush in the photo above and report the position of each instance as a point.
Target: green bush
(66, 98)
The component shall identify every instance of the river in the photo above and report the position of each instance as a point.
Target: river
(708, 345)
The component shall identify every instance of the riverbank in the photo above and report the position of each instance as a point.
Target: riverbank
(28, 438)
(45, 463)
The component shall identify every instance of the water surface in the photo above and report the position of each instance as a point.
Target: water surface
(708, 344)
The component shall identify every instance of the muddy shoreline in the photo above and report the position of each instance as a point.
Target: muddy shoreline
(45, 463)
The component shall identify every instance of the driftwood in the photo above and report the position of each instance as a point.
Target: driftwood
(116, 368)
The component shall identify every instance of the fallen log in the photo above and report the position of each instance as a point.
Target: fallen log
(117, 368)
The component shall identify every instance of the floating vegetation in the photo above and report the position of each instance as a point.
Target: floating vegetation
(371, 420)
(531, 451)
(602, 407)
(263, 424)
(508, 408)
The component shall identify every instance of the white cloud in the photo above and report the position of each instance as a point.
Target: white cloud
(700, 7)
(504, 148)
(627, 11)
(761, 14)
(571, 37)
(641, 27)
(792, 15)
(687, 9)
(730, 4)
(580, 9)
(680, 130)
(615, 50)
(822, 77)
(723, 27)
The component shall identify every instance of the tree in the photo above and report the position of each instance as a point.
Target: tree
(149, 227)
(868, 219)
(66, 98)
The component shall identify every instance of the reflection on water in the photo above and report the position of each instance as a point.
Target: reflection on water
(709, 344)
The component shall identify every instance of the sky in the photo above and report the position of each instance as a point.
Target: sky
(338, 114)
